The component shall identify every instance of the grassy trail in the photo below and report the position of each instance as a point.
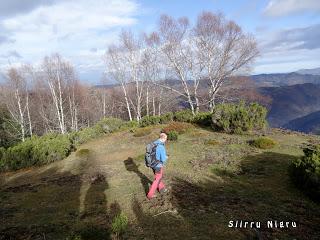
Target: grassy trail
(209, 186)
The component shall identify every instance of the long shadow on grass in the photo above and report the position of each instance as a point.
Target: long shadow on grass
(131, 166)
(94, 217)
(260, 192)
(48, 208)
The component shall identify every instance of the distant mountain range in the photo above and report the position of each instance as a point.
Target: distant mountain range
(284, 79)
(314, 71)
(309, 123)
(295, 99)
(292, 102)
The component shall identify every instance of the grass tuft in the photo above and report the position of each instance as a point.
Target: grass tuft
(82, 152)
(263, 143)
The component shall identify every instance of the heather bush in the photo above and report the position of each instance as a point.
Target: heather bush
(179, 127)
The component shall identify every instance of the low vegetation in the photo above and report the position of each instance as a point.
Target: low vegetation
(140, 132)
(212, 142)
(239, 118)
(305, 171)
(119, 224)
(172, 135)
(183, 116)
(179, 127)
(37, 151)
(263, 143)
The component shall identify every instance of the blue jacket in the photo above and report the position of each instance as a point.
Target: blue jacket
(161, 154)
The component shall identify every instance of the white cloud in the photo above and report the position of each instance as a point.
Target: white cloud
(276, 8)
(70, 27)
(288, 50)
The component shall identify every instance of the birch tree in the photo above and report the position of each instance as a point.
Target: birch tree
(73, 94)
(133, 54)
(116, 70)
(224, 50)
(17, 100)
(54, 69)
(153, 71)
(173, 35)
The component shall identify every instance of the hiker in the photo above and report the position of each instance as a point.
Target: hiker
(161, 158)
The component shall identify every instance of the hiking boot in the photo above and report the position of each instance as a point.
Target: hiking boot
(164, 190)
(150, 198)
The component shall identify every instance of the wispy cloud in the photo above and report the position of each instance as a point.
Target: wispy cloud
(37, 28)
(295, 38)
(289, 49)
(276, 8)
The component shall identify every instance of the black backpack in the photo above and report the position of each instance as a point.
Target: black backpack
(150, 156)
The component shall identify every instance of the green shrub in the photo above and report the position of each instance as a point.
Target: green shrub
(149, 120)
(305, 172)
(263, 143)
(50, 147)
(108, 125)
(179, 127)
(203, 118)
(129, 125)
(183, 116)
(239, 118)
(19, 156)
(142, 132)
(172, 135)
(119, 224)
(166, 118)
(86, 134)
(37, 151)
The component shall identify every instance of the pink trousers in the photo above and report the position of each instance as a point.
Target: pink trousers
(157, 183)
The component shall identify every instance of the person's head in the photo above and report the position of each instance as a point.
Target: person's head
(163, 137)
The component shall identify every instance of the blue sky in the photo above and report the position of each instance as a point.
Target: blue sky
(287, 31)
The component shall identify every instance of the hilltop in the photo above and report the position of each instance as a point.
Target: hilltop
(210, 183)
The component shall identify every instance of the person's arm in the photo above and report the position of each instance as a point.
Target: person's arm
(161, 154)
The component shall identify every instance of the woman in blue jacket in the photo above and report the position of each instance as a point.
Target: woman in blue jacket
(161, 157)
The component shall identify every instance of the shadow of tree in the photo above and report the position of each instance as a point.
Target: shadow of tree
(131, 166)
(261, 192)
